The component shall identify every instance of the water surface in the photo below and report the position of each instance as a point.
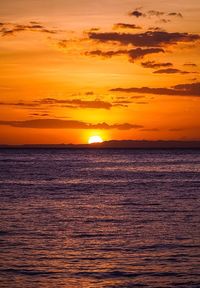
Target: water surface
(99, 218)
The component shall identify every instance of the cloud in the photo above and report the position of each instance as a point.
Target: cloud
(153, 64)
(170, 71)
(20, 104)
(106, 54)
(146, 39)
(137, 97)
(164, 21)
(94, 29)
(126, 26)
(125, 103)
(159, 13)
(89, 93)
(177, 14)
(137, 14)
(156, 28)
(74, 103)
(190, 64)
(192, 89)
(13, 28)
(62, 43)
(133, 54)
(40, 114)
(155, 13)
(78, 103)
(67, 124)
(140, 53)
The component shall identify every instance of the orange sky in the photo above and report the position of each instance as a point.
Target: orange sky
(118, 69)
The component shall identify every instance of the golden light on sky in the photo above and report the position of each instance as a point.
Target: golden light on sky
(119, 69)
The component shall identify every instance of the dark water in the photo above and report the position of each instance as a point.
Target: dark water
(99, 218)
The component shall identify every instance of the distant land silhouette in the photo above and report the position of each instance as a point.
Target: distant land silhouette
(123, 144)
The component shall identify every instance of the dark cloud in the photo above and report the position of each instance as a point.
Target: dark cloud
(13, 28)
(177, 14)
(40, 114)
(192, 89)
(190, 64)
(153, 64)
(20, 104)
(155, 13)
(94, 29)
(67, 124)
(140, 53)
(170, 71)
(123, 103)
(106, 54)
(126, 26)
(156, 28)
(164, 20)
(146, 39)
(74, 103)
(160, 13)
(133, 54)
(78, 103)
(62, 43)
(137, 13)
(137, 97)
(89, 93)
(193, 79)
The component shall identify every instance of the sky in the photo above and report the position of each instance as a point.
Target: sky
(116, 69)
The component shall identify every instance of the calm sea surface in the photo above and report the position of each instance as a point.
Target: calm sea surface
(99, 218)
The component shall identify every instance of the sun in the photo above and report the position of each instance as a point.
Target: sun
(95, 139)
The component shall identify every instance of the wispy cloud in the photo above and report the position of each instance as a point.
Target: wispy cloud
(190, 64)
(132, 54)
(146, 39)
(67, 124)
(13, 28)
(170, 71)
(153, 64)
(192, 89)
(155, 13)
(126, 26)
(176, 14)
(71, 103)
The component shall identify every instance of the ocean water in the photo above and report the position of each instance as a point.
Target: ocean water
(99, 218)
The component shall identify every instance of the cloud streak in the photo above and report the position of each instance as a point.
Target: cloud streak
(78, 103)
(74, 103)
(176, 14)
(67, 124)
(146, 39)
(153, 64)
(126, 26)
(170, 71)
(132, 54)
(7, 29)
(192, 89)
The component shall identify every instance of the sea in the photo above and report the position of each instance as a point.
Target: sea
(95, 218)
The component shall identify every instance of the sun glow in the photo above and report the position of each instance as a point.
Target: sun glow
(95, 139)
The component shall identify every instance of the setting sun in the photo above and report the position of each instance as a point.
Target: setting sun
(95, 139)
